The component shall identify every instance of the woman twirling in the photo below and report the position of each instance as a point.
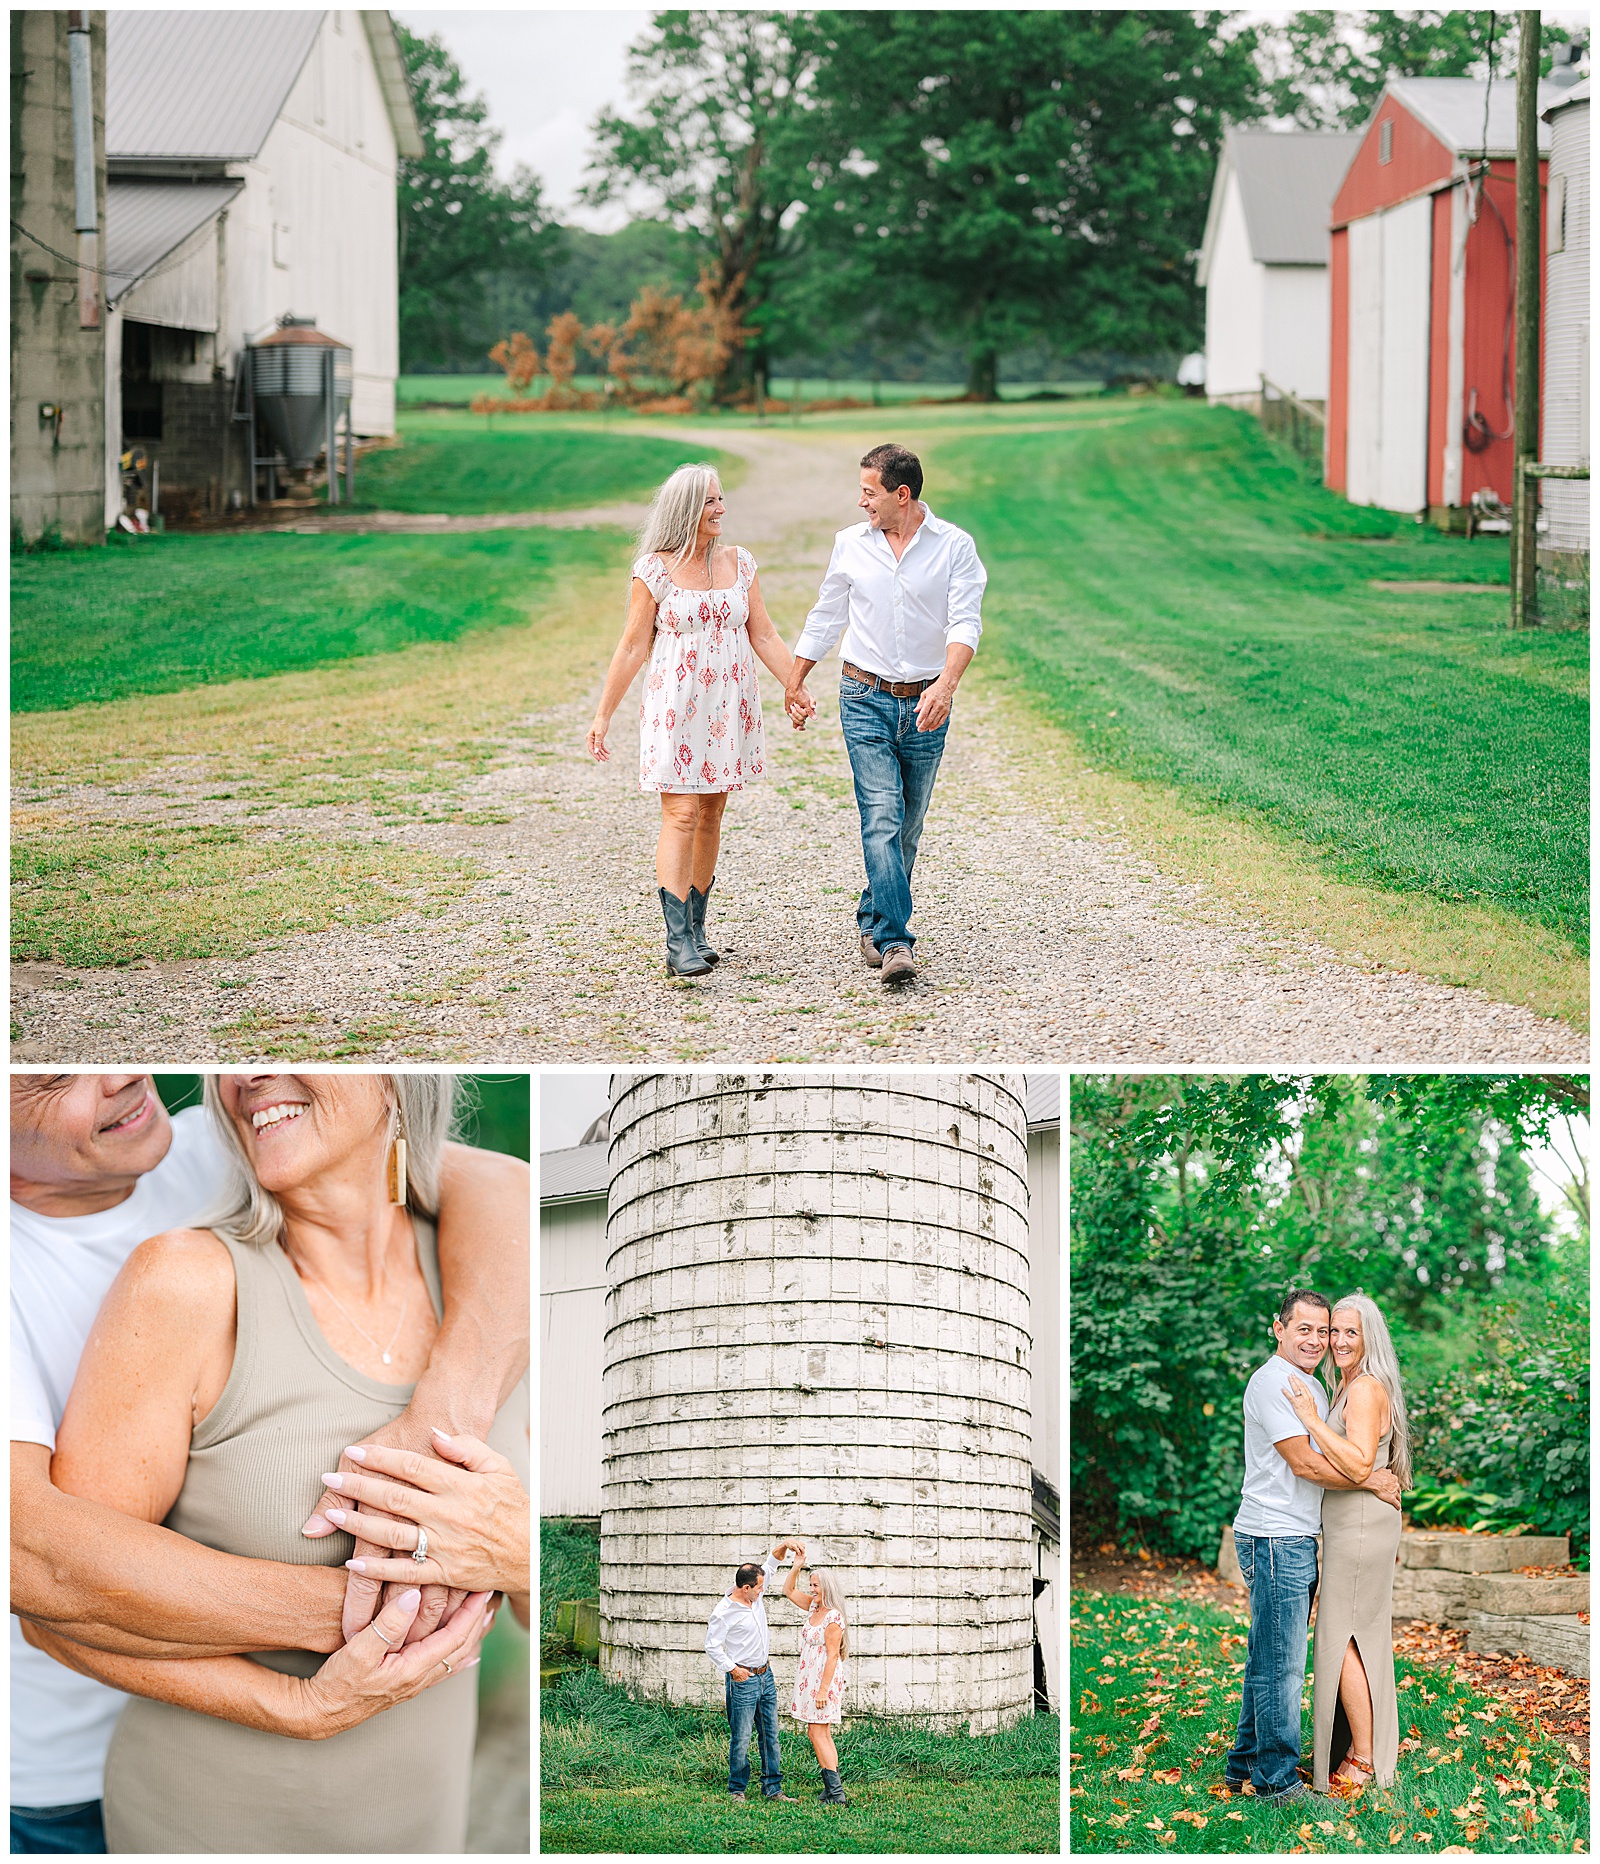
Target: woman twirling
(819, 1681)
(696, 613)
(1356, 1723)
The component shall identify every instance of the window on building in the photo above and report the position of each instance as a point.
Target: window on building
(141, 390)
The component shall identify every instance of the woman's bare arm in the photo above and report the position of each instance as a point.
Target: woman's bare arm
(833, 1636)
(633, 650)
(1353, 1451)
(765, 641)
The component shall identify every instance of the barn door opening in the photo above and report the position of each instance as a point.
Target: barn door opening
(1391, 256)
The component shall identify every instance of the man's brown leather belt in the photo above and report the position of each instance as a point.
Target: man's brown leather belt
(896, 689)
(761, 1672)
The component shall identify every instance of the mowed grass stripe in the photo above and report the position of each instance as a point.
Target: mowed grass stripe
(1195, 611)
(1155, 1707)
(175, 612)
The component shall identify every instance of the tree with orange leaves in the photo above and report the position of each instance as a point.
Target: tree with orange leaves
(520, 361)
(565, 332)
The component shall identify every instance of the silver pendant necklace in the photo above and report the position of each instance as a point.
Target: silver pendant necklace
(384, 1351)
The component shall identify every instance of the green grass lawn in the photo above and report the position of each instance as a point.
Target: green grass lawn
(1194, 610)
(473, 463)
(1155, 1695)
(623, 1775)
(171, 612)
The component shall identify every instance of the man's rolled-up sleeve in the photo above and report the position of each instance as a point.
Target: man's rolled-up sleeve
(830, 613)
(964, 609)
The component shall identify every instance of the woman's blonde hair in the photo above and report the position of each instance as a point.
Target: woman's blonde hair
(422, 1110)
(1379, 1358)
(833, 1601)
(673, 519)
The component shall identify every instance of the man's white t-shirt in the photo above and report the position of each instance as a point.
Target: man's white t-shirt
(1276, 1500)
(61, 1267)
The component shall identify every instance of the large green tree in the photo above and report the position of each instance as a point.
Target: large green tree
(1007, 176)
(458, 220)
(716, 146)
(1197, 1202)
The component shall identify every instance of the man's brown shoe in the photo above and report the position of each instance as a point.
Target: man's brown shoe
(787, 1798)
(870, 953)
(898, 965)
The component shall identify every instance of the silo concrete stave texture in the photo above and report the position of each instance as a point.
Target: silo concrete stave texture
(817, 1325)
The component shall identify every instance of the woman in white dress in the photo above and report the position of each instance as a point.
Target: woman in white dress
(818, 1700)
(695, 612)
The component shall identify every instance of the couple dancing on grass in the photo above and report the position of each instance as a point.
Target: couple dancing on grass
(905, 590)
(1335, 1469)
(737, 1642)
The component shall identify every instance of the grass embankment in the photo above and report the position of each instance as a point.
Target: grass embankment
(465, 463)
(621, 1775)
(1392, 769)
(1155, 1698)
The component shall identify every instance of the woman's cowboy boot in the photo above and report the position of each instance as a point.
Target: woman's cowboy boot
(697, 921)
(833, 1793)
(683, 957)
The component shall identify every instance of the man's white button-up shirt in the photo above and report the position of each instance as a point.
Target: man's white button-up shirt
(737, 1634)
(898, 617)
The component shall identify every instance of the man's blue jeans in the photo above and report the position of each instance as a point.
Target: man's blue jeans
(58, 1828)
(894, 766)
(754, 1701)
(1281, 1572)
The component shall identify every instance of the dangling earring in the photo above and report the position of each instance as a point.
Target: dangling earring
(397, 1166)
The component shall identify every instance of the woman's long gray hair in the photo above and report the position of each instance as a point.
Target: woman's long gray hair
(1378, 1358)
(422, 1111)
(833, 1601)
(674, 516)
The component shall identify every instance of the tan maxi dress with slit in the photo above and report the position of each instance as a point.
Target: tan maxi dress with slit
(177, 1781)
(1360, 1540)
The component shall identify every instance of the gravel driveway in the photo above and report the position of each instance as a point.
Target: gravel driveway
(1043, 937)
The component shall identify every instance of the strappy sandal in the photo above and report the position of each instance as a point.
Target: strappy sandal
(1363, 1766)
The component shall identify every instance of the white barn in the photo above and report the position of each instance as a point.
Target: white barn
(1264, 263)
(573, 1187)
(1565, 440)
(251, 161)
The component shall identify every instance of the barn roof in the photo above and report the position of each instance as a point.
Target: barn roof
(1287, 181)
(1573, 94)
(207, 87)
(1043, 1092)
(1453, 110)
(574, 1172)
(147, 220)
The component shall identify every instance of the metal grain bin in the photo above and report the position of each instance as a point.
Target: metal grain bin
(817, 1325)
(301, 380)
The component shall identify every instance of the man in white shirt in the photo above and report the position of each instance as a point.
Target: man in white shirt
(905, 590)
(97, 1166)
(738, 1643)
(1275, 1535)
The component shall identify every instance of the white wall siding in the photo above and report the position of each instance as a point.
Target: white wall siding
(572, 1299)
(1296, 326)
(1566, 343)
(1044, 1284)
(1234, 306)
(1390, 272)
(819, 1325)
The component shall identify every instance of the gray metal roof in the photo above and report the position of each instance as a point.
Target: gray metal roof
(1287, 181)
(1453, 109)
(146, 220)
(1573, 94)
(200, 86)
(1043, 1096)
(574, 1172)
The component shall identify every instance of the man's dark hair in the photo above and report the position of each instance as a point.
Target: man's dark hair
(1295, 1296)
(747, 1574)
(895, 466)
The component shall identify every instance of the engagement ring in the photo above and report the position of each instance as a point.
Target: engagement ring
(422, 1545)
(447, 1670)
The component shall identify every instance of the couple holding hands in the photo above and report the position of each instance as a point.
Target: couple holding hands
(904, 589)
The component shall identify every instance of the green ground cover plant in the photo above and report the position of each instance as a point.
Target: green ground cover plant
(466, 463)
(1155, 1694)
(173, 612)
(619, 1774)
(1196, 610)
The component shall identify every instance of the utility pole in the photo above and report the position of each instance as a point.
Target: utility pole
(1525, 488)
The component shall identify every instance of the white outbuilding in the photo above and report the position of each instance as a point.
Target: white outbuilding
(1565, 440)
(1264, 263)
(252, 161)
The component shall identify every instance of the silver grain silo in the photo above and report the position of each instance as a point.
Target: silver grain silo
(300, 384)
(817, 1326)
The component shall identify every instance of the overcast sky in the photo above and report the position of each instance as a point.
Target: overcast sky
(568, 1103)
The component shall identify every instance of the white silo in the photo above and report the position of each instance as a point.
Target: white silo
(817, 1326)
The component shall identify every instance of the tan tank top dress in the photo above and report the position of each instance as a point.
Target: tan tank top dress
(177, 1781)
(1360, 1542)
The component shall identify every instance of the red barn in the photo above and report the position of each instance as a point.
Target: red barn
(1423, 276)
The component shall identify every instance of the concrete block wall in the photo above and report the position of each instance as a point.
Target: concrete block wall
(817, 1324)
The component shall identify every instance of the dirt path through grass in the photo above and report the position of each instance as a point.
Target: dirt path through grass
(1045, 934)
